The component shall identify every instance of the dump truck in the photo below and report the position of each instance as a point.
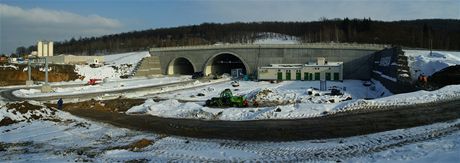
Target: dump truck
(227, 99)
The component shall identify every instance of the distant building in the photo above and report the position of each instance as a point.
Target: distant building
(320, 70)
(45, 49)
(73, 59)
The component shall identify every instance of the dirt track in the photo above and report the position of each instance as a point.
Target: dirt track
(350, 123)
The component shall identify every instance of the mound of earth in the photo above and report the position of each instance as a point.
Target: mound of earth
(16, 74)
(25, 112)
(114, 105)
(447, 76)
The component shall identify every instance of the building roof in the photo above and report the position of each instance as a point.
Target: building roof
(293, 66)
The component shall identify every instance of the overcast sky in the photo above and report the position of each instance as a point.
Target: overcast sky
(24, 22)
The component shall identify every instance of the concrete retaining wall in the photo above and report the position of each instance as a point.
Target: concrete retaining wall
(357, 59)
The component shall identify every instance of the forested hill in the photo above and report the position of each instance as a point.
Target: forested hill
(444, 33)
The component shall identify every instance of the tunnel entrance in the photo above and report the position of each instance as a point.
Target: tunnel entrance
(180, 66)
(224, 63)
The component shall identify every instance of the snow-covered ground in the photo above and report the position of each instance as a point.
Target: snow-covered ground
(291, 95)
(61, 137)
(422, 62)
(109, 85)
(125, 58)
(299, 105)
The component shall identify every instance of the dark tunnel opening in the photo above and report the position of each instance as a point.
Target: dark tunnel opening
(224, 63)
(181, 66)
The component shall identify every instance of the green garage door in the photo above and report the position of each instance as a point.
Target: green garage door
(328, 76)
(317, 76)
(336, 76)
(298, 76)
(305, 76)
(280, 76)
(288, 76)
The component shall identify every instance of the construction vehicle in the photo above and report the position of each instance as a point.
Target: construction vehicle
(94, 81)
(227, 99)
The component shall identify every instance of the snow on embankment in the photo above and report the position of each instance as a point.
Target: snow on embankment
(276, 38)
(192, 110)
(116, 65)
(422, 62)
(125, 58)
(102, 87)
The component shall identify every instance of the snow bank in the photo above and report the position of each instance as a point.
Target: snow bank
(447, 92)
(422, 62)
(110, 85)
(9, 66)
(193, 110)
(301, 107)
(97, 73)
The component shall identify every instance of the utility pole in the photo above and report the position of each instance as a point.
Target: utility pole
(29, 82)
(46, 88)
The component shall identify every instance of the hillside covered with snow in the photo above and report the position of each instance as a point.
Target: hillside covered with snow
(116, 65)
(276, 38)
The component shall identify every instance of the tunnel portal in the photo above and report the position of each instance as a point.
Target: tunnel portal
(224, 63)
(180, 66)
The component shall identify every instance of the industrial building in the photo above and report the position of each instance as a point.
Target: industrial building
(45, 49)
(319, 70)
(72, 59)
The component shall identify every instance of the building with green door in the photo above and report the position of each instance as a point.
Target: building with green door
(319, 70)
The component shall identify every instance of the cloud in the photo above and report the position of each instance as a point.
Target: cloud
(23, 27)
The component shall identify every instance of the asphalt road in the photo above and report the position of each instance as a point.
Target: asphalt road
(344, 124)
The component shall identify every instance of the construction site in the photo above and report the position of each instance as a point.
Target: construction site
(162, 104)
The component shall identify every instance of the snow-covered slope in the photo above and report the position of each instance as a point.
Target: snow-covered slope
(275, 38)
(422, 62)
(125, 58)
(116, 65)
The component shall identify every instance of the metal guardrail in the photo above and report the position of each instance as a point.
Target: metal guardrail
(290, 46)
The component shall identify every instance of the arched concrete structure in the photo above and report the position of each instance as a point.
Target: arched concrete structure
(181, 66)
(230, 61)
(357, 58)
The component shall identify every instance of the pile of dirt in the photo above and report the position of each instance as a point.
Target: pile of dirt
(135, 146)
(6, 121)
(25, 111)
(139, 144)
(22, 107)
(114, 105)
(16, 74)
(269, 97)
(447, 76)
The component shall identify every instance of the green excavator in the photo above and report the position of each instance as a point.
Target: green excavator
(227, 99)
